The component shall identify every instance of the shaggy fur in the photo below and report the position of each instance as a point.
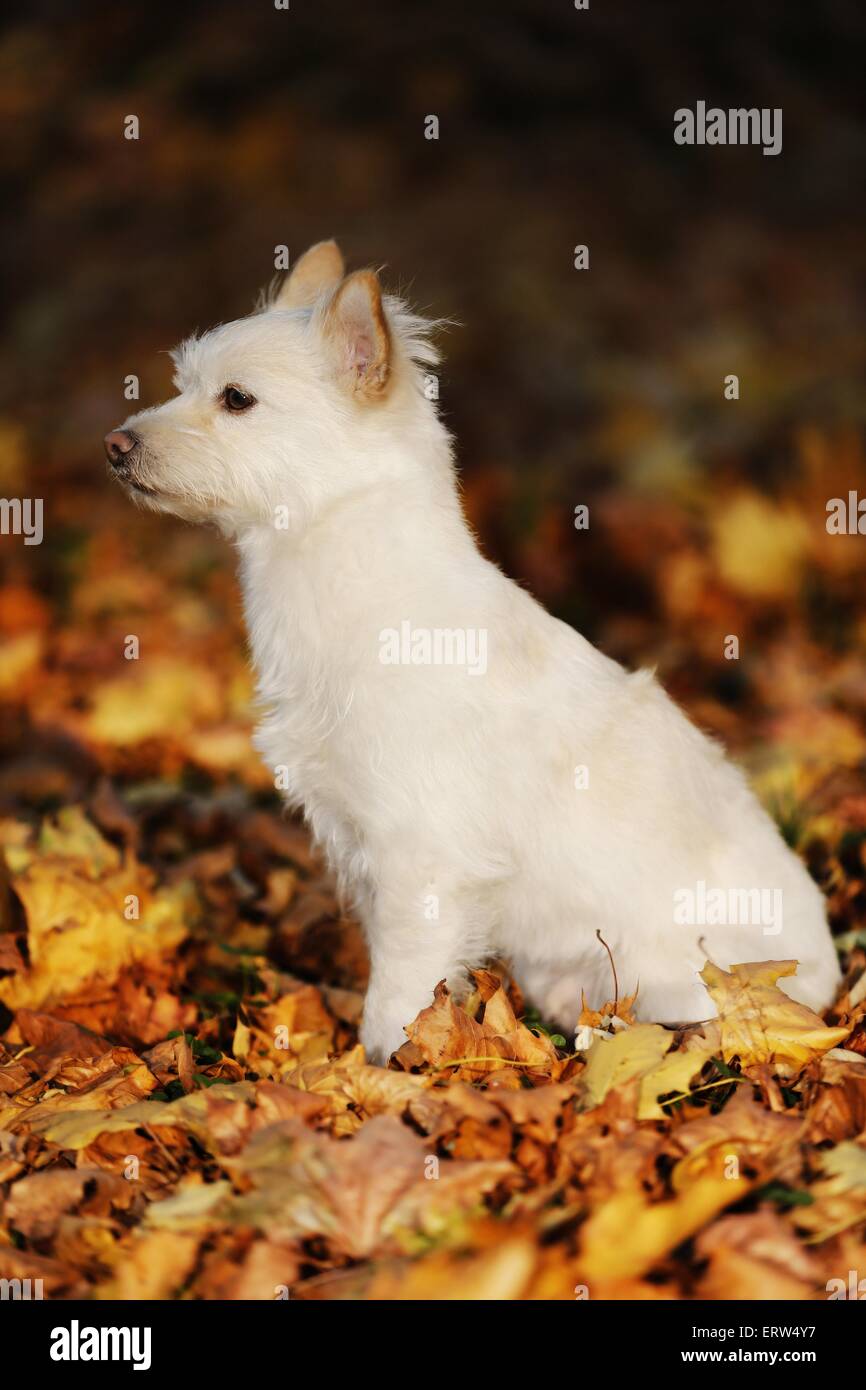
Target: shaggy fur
(446, 800)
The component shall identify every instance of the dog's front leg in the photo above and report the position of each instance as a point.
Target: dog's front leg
(416, 937)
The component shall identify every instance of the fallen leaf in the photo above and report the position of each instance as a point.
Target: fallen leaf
(447, 1036)
(37, 1203)
(755, 1256)
(627, 1236)
(759, 1023)
(77, 898)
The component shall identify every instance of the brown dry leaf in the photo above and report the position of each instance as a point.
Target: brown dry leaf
(263, 1272)
(500, 1273)
(353, 1091)
(622, 1009)
(607, 1150)
(158, 1154)
(57, 1278)
(838, 1110)
(464, 1121)
(755, 1257)
(446, 1036)
(147, 1012)
(539, 1114)
(218, 1114)
(14, 1076)
(744, 1132)
(839, 1196)
(221, 1117)
(759, 1023)
(376, 1191)
(117, 1080)
(295, 1028)
(185, 1065)
(11, 959)
(51, 1040)
(744, 1121)
(52, 1050)
(37, 1203)
(87, 1243)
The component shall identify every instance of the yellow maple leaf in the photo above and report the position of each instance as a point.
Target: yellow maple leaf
(90, 914)
(616, 1060)
(628, 1235)
(759, 1023)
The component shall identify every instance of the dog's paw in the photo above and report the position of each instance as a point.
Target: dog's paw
(382, 1033)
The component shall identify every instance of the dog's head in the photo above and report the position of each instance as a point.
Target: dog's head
(284, 411)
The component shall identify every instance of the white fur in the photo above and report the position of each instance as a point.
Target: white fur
(426, 784)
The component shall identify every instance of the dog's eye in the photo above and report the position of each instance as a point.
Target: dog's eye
(235, 399)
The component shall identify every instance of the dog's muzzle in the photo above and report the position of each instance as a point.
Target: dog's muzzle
(121, 448)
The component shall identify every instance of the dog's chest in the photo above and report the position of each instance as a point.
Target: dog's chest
(309, 775)
(306, 735)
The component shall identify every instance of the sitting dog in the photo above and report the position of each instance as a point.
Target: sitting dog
(481, 779)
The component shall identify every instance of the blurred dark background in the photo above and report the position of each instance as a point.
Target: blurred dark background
(260, 127)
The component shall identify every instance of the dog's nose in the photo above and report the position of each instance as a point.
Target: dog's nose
(119, 444)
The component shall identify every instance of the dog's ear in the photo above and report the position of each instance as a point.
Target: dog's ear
(319, 269)
(356, 331)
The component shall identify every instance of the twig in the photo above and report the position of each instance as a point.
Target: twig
(613, 968)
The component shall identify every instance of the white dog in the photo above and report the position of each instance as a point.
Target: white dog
(481, 778)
